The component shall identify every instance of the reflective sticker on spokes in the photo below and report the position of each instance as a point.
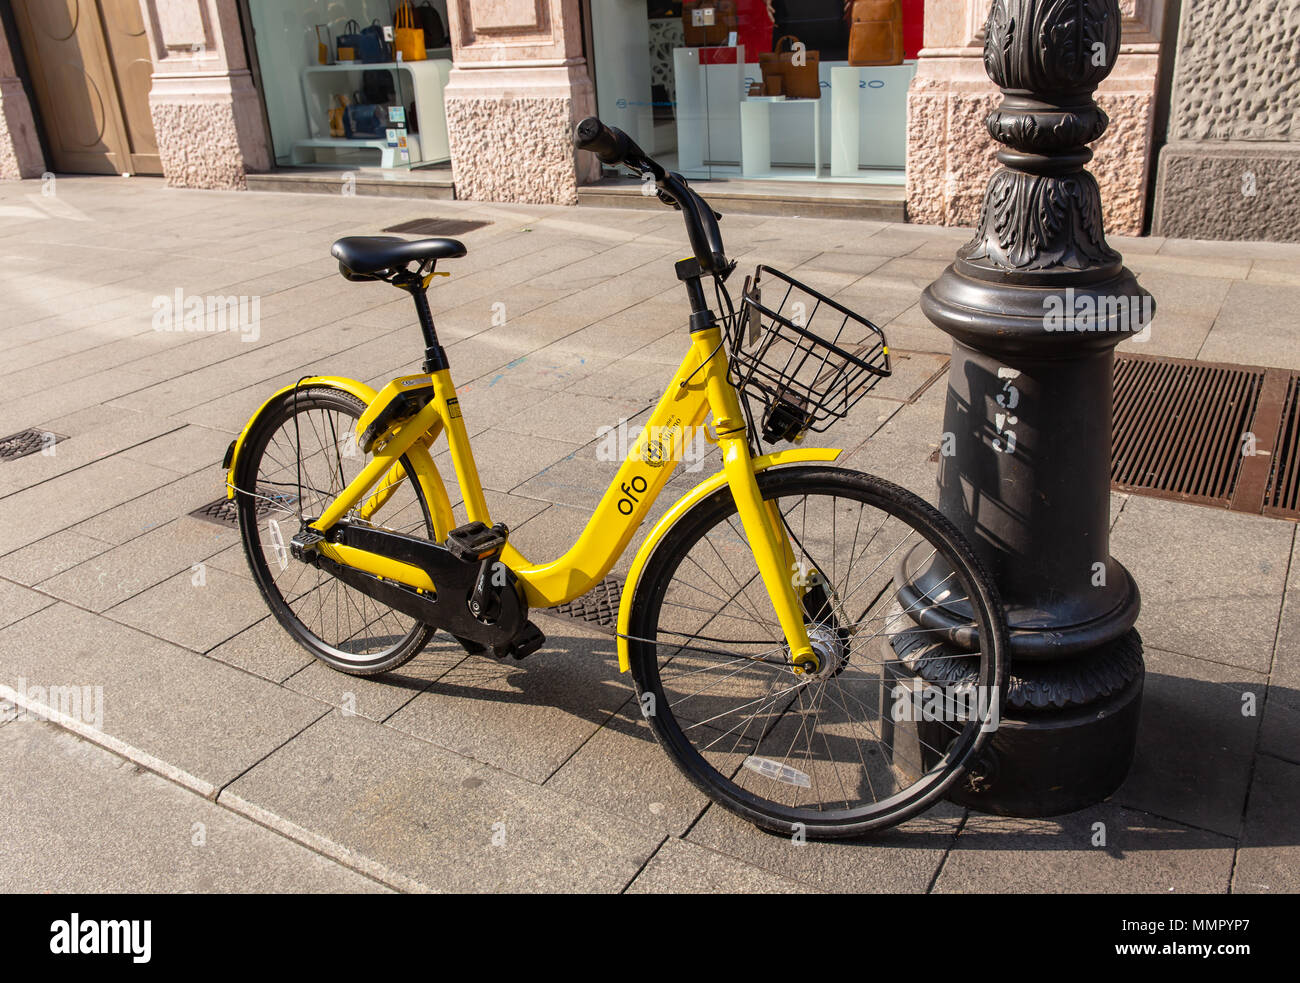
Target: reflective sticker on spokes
(778, 772)
(277, 544)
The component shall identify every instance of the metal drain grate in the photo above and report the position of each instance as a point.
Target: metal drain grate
(1282, 493)
(1207, 432)
(437, 226)
(1178, 427)
(598, 607)
(26, 442)
(224, 512)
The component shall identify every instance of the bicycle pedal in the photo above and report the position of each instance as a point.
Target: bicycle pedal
(474, 541)
(304, 543)
(524, 644)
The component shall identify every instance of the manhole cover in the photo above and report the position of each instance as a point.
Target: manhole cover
(437, 226)
(1208, 433)
(26, 442)
(224, 513)
(598, 607)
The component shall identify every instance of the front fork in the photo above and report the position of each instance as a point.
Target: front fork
(761, 520)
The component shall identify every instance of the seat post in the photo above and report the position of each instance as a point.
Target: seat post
(435, 359)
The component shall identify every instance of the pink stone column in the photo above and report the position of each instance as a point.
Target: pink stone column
(950, 155)
(518, 86)
(20, 149)
(206, 112)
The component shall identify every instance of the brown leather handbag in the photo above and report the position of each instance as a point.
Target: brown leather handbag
(876, 34)
(708, 23)
(797, 81)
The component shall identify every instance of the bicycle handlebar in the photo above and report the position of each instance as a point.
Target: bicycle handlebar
(614, 147)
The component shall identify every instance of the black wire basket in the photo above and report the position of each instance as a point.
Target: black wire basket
(804, 358)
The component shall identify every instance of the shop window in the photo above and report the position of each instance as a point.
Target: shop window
(760, 89)
(343, 89)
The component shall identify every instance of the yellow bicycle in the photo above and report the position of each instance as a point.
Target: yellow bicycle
(817, 649)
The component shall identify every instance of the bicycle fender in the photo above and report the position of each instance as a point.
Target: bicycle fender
(427, 472)
(683, 505)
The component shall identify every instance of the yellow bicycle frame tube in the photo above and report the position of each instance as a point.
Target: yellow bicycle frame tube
(699, 386)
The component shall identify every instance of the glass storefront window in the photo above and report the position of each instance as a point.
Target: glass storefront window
(796, 90)
(336, 92)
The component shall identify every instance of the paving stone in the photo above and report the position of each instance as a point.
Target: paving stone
(1196, 741)
(195, 720)
(265, 649)
(1268, 860)
(1280, 733)
(27, 516)
(77, 819)
(116, 574)
(681, 867)
(198, 616)
(379, 697)
(1141, 855)
(1259, 324)
(47, 557)
(623, 769)
(17, 602)
(1214, 588)
(349, 786)
(528, 717)
(901, 861)
(155, 507)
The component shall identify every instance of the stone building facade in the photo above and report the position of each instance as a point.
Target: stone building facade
(521, 78)
(1231, 168)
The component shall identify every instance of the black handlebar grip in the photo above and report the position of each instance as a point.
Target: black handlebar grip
(608, 143)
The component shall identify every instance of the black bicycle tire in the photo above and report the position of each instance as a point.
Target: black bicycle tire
(653, 583)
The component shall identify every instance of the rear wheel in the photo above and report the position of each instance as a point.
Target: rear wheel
(842, 750)
(299, 456)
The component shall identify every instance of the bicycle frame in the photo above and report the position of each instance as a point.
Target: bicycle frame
(699, 387)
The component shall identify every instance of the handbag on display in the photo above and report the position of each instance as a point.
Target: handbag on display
(408, 40)
(708, 23)
(373, 46)
(377, 86)
(349, 41)
(876, 33)
(336, 115)
(364, 120)
(797, 81)
(435, 32)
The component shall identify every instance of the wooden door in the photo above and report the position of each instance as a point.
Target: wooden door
(90, 68)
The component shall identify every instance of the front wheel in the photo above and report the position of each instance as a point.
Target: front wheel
(908, 633)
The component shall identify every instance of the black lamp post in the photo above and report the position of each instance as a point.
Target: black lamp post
(1035, 304)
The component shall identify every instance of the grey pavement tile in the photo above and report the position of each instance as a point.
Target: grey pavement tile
(1196, 742)
(1235, 249)
(198, 616)
(49, 556)
(1259, 324)
(184, 450)
(17, 602)
(1181, 293)
(78, 819)
(1282, 272)
(903, 860)
(571, 417)
(1141, 854)
(196, 721)
(622, 769)
(681, 867)
(154, 506)
(379, 697)
(265, 649)
(1268, 859)
(529, 717)
(507, 459)
(1280, 733)
(1172, 334)
(350, 786)
(116, 574)
(35, 513)
(66, 456)
(1222, 267)
(1214, 588)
